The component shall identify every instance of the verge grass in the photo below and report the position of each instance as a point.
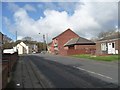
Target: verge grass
(100, 58)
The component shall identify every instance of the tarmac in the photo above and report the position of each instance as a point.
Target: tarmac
(25, 75)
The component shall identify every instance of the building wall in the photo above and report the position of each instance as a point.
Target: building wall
(6, 39)
(92, 47)
(20, 49)
(119, 46)
(51, 48)
(80, 49)
(1, 40)
(62, 39)
(98, 46)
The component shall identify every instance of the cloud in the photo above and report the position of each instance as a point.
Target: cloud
(69, 7)
(13, 7)
(8, 24)
(87, 20)
(29, 7)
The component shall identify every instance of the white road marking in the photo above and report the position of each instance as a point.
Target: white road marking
(93, 72)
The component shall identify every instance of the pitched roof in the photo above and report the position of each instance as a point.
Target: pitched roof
(114, 36)
(79, 41)
(65, 32)
(50, 43)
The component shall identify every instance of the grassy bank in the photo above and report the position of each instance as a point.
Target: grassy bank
(100, 58)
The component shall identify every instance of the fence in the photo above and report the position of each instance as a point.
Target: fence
(8, 63)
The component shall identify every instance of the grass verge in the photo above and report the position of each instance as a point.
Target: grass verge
(100, 58)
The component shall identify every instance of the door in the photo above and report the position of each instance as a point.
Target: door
(111, 48)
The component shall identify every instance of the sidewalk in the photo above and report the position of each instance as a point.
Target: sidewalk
(23, 76)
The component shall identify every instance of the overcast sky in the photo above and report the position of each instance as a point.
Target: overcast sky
(87, 19)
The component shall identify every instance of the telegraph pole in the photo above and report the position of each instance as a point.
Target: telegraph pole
(47, 41)
(16, 41)
(16, 35)
(44, 42)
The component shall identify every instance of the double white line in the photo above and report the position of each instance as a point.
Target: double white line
(93, 72)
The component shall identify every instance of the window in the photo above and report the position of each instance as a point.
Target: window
(71, 47)
(103, 47)
(55, 45)
(113, 45)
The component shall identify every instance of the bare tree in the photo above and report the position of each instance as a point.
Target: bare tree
(27, 39)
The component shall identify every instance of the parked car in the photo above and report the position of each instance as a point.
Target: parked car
(43, 52)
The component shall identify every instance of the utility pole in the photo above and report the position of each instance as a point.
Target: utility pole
(16, 41)
(16, 35)
(47, 41)
(44, 42)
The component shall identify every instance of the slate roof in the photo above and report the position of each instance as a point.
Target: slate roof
(79, 41)
(114, 36)
(49, 43)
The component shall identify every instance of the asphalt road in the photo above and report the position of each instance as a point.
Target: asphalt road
(67, 72)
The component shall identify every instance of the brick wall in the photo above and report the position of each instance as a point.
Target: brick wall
(98, 46)
(1, 41)
(119, 46)
(63, 39)
(82, 49)
(78, 49)
(85, 47)
(8, 63)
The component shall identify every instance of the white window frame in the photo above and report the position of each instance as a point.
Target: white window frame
(103, 46)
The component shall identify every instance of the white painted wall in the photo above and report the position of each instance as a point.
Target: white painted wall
(21, 47)
(111, 49)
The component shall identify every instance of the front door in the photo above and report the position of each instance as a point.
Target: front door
(111, 48)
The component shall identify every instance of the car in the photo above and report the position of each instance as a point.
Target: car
(43, 52)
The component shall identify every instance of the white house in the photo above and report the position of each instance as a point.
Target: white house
(26, 48)
(22, 48)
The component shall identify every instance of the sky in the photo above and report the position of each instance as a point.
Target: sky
(30, 18)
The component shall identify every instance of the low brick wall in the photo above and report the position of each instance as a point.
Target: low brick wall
(80, 51)
(8, 62)
(5, 75)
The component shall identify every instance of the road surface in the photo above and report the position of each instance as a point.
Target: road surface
(64, 72)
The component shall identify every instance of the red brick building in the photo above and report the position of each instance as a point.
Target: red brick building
(57, 46)
(80, 46)
(60, 44)
(108, 45)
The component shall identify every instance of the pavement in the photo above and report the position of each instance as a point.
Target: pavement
(51, 71)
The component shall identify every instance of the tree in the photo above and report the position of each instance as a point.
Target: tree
(109, 34)
(8, 45)
(27, 39)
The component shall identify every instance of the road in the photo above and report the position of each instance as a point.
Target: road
(66, 72)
